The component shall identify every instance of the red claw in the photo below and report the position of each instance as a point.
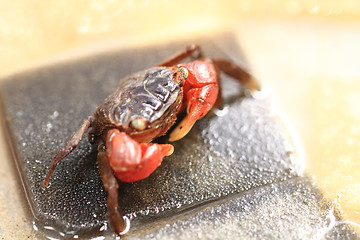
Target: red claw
(132, 161)
(201, 89)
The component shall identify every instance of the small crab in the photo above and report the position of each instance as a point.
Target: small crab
(144, 107)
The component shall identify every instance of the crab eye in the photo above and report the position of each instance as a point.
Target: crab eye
(184, 72)
(139, 123)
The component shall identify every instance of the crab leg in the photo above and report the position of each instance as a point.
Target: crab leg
(235, 71)
(111, 186)
(173, 60)
(70, 146)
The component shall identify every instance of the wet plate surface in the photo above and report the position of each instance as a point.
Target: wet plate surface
(235, 174)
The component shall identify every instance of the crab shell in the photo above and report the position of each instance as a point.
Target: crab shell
(144, 106)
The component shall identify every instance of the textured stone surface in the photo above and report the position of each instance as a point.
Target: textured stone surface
(284, 210)
(233, 175)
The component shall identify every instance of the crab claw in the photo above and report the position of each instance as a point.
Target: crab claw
(182, 129)
(199, 103)
(132, 161)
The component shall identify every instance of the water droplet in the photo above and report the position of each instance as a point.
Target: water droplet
(222, 112)
(98, 238)
(49, 228)
(35, 227)
(54, 115)
(49, 126)
(104, 227)
(127, 228)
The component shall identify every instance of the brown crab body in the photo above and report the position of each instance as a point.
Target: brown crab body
(153, 96)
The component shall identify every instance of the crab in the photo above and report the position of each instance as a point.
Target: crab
(144, 106)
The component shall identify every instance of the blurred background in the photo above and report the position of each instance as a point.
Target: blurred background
(305, 53)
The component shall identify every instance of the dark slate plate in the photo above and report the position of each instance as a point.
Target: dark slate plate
(222, 174)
